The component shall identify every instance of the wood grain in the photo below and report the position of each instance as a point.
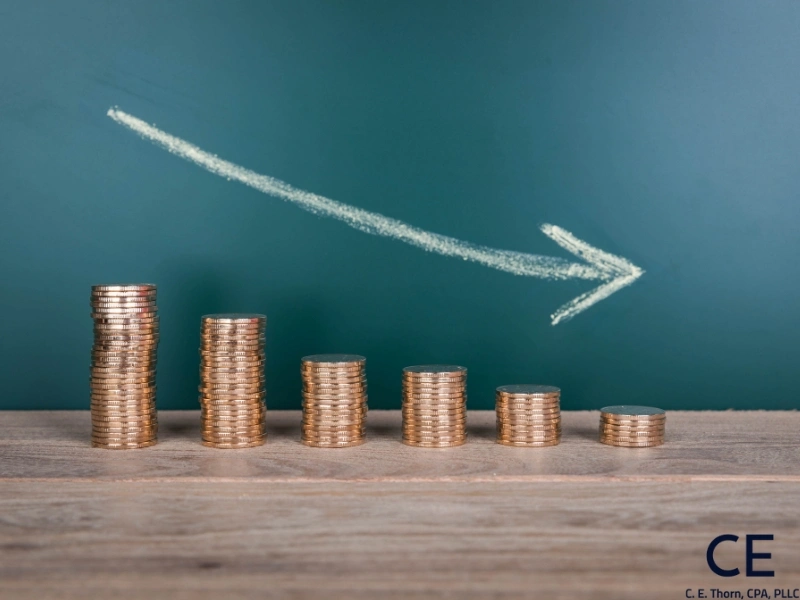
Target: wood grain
(700, 446)
(385, 520)
(378, 540)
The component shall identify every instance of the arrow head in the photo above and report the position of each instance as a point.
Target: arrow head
(617, 272)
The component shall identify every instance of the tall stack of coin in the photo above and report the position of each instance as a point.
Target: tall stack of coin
(232, 394)
(123, 369)
(632, 426)
(434, 406)
(334, 400)
(528, 415)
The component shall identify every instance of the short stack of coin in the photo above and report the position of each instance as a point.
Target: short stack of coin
(334, 400)
(434, 406)
(632, 426)
(123, 369)
(232, 391)
(528, 415)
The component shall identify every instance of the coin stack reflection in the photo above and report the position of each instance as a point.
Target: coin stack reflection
(434, 406)
(123, 369)
(232, 393)
(528, 415)
(334, 400)
(632, 426)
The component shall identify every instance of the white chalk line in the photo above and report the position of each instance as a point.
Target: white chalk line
(614, 270)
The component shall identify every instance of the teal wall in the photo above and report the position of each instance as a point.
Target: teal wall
(667, 132)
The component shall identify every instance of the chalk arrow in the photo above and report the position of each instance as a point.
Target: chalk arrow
(613, 271)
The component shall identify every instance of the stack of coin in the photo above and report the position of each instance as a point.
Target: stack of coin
(334, 400)
(123, 369)
(632, 426)
(528, 415)
(232, 393)
(434, 406)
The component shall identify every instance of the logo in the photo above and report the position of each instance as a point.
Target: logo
(750, 555)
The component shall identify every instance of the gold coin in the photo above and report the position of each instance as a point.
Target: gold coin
(212, 325)
(516, 405)
(425, 444)
(221, 377)
(444, 370)
(529, 417)
(138, 320)
(227, 345)
(100, 303)
(634, 424)
(122, 432)
(422, 436)
(125, 446)
(533, 434)
(433, 393)
(224, 446)
(230, 334)
(214, 422)
(631, 411)
(332, 430)
(614, 429)
(130, 414)
(529, 390)
(232, 443)
(101, 330)
(221, 383)
(119, 370)
(332, 436)
(333, 444)
(123, 439)
(123, 354)
(631, 438)
(234, 318)
(333, 399)
(233, 438)
(123, 395)
(632, 444)
(433, 387)
(535, 444)
(221, 432)
(233, 413)
(343, 375)
(227, 350)
(116, 312)
(232, 366)
(248, 405)
(324, 390)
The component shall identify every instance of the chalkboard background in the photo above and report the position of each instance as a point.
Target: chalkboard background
(664, 132)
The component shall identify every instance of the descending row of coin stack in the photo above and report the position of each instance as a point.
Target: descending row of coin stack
(232, 390)
(123, 368)
(334, 400)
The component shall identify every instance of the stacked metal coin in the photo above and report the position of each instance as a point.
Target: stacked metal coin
(434, 406)
(334, 400)
(123, 369)
(232, 392)
(632, 426)
(528, 415)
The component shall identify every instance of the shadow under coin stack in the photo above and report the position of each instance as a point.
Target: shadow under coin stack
(334, 400)
(434, 406)
(123, 369)
(632, 426)
(232, 393)
(528, 415)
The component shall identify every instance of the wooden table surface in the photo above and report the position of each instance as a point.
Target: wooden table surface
(179, 520)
